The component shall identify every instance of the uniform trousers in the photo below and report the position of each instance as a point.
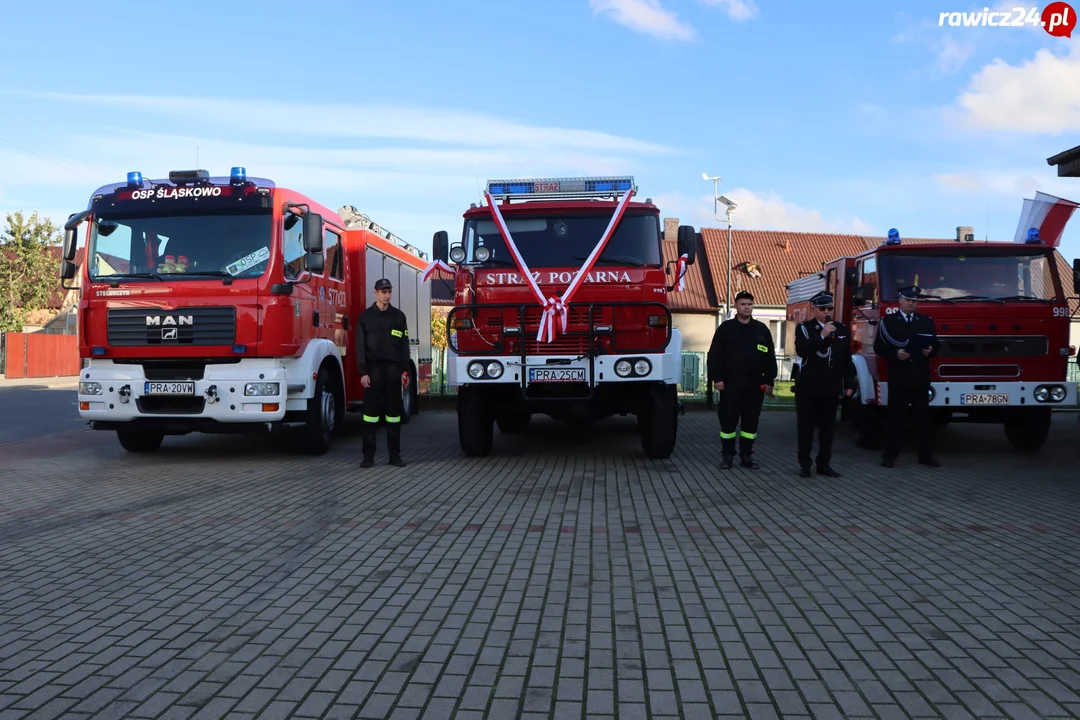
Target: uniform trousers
(815, 411)
(383, 401)
(900, 397)
(739, 407)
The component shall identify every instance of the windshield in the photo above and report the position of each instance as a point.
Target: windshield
(567, 240)
(954, 275)
(234, 245)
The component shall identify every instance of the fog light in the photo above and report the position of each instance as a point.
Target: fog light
(482, 254)
(457, 254)
(125, 394)
(1057, 393)
(623, 368)
(262, 389)
(494, 369)
(89, 388)
(476, 370)
(642, 367)
(1042, 393)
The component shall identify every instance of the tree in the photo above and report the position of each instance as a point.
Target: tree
(28, 269)
(438, 327)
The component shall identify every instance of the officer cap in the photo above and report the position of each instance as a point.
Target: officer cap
(911, 293)
(822, 299)
(744, 295)
(383, 284)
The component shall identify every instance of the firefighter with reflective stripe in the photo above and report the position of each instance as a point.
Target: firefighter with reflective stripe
(742, 367)
(825, 372)
(907, 339)
(382, 357)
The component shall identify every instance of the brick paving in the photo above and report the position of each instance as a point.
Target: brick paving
(565, 576)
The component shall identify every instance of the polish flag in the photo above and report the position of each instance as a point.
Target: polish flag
(1048, 214)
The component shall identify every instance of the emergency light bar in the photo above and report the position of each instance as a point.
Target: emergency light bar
(584, 187)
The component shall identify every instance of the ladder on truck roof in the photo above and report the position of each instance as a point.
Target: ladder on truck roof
(356, 220)
(805, 288)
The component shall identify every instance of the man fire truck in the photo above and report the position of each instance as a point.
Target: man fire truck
(226, 304)
(561, 309)
(1002, 322)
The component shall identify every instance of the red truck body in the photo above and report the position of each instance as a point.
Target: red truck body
(1002, 319)
(619, 352)
(228, 304)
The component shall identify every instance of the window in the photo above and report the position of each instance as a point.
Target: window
(868, 280)
(335, 256)
(964, 275)
(830, 281)
(293, 246)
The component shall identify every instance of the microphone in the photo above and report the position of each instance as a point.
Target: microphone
(828, 319)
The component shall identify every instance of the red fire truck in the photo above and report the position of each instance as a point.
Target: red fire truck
(226, 304)
(562, 309)
(1002, 318)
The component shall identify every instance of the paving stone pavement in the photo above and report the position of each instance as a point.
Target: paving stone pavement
(565, 576)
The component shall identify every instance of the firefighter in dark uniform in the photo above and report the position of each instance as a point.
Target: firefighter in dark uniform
(825, 372)
(742, 367)
(907, 339)
(382, 357)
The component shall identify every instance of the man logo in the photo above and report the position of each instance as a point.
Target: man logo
(169, 320)
(169, 333)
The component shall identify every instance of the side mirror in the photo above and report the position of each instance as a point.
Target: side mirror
(313, 233)
(67, 272)
(440, 244)
(71, 234)
(1076, 276)
(315, 262)
(687, 243)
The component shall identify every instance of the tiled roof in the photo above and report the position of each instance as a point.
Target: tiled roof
(696, 295)
(765, 261)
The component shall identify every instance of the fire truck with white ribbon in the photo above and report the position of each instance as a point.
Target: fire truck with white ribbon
(561, 308)
(227, 304)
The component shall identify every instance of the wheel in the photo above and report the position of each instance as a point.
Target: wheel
(1027, 430)
(139, 441)
(514, 421)
(658, 422)
(410, 398)
(868, 421)
(320, 417)
(476, 427)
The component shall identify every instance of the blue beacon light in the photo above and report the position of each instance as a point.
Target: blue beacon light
(238, 174)
(134, 178)
(894, 237)
(1033, 236)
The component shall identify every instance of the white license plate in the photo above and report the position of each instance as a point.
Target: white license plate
(556, 374)
(984, 399)
(169, 388)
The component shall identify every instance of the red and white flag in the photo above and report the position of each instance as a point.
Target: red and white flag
(1048, 214)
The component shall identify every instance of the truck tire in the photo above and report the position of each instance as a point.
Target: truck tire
(868, 423)
(320, 416)
(658, 421)
(1028, 429)
(476, 426)
(139, 441)
(410, 397)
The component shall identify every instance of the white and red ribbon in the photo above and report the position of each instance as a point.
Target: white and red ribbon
(437, 265)
(556, 306)
(680, 272)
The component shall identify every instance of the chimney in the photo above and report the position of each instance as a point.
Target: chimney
(671, 229)
(965, 233)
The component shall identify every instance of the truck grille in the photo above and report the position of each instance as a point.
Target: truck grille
(994, 346)
(183, 328)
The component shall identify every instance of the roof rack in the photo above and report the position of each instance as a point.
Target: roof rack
(356, 220)
(561, 188)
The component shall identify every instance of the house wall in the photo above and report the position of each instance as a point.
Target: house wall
(698, 328)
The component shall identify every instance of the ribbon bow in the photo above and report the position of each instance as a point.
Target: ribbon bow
(553, 307)
(680, 272)
(437, 265)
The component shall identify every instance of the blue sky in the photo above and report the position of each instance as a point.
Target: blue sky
(833, 116)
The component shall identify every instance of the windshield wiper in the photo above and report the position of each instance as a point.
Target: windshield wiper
(1025, 297)
(616, 260)
(117, 276)
(978, 297)
(226, 277)
(499, 261)
(924, 296)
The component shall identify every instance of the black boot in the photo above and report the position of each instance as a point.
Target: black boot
(746, 453)
(369, 445)
(393, 444)
(727, 450)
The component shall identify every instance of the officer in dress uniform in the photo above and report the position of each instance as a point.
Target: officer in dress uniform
(907, 339)
(382, 357)
(742, 366)
(825, 372)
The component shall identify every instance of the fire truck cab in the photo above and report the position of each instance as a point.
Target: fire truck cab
(618, 354)
(227, 304)
(1001, 316)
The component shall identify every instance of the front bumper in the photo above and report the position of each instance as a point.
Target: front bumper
(990, 394)
(559, 369)
(218, 396)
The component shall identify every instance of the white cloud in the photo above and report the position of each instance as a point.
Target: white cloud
(735, 9)
(1041, 95)
(648, 17)
(953, 55)
(1011, 184)
(755, 211)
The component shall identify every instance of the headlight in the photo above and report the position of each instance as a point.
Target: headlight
(262, 389)
(476, 370)
(494, 369)
(623, 368)
(457, 254)
(1057, 394)
(642, 367)
(482, 253)
(1042, 393)
(89, 388)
